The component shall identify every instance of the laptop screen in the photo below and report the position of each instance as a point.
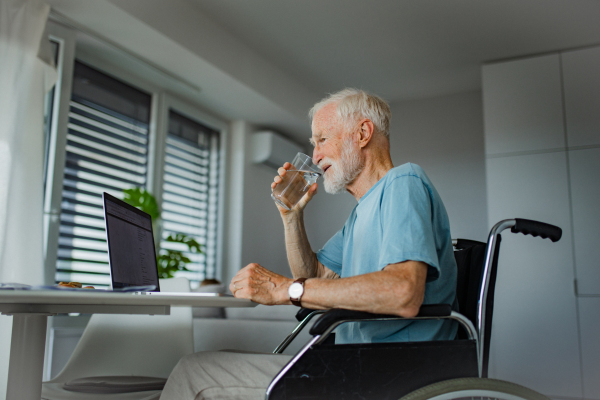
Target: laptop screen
(130, 240)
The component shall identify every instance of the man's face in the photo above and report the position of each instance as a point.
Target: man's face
(335, 150)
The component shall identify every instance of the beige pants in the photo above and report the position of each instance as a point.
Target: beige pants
(223, 375)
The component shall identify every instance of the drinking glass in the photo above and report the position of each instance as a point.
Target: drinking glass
(296, 181)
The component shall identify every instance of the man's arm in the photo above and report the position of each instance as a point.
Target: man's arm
(398, 289)
(303, 261)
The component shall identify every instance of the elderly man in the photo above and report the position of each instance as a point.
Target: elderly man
(393, 254)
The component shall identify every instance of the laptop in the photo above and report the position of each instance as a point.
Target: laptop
(131, 253)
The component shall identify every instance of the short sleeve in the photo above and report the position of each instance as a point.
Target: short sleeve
(407, 225)
(332, 254)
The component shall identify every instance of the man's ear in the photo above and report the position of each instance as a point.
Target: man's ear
(366, 131)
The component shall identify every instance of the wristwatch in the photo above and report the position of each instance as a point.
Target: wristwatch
(296, 290)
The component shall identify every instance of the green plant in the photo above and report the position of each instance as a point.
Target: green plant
(171, 261)
(168, 261)
(142, 199)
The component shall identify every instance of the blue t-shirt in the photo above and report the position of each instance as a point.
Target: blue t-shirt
(400, 218)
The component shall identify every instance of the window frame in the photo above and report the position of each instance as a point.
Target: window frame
(57, 144)
(166, 95)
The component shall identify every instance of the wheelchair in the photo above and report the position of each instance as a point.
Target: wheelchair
(440, 370)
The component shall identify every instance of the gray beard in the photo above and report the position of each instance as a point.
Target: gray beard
(343, 172)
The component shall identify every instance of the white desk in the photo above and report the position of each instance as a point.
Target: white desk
(30, 311)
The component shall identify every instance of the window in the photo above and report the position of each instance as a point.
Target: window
(111, 126)
(190, 191)
(106, 150)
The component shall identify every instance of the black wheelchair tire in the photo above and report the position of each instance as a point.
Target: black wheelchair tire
(474, 388)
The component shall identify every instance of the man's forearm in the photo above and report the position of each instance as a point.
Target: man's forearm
(303, 261)
(399, 289)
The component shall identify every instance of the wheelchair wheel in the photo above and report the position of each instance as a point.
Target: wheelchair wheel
(474, 388)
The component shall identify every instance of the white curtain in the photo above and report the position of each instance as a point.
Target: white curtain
(26, 74)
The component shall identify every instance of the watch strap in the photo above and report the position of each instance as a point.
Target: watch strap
(296, 301)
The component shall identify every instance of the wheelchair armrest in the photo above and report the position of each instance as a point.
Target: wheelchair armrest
(304, 315)
(305, 312)
(336, 316)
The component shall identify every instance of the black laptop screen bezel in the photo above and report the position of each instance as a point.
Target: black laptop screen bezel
(107, 197)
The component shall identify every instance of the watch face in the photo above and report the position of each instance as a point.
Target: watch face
(296, 289)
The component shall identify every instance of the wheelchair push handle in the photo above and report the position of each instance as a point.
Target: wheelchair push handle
(536, 228)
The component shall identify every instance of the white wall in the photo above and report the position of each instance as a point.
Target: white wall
(444, 135)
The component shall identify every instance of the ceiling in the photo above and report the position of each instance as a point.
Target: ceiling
(268, 61)
(402, 49)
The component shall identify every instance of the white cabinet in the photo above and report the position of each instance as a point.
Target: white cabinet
(532, 174)
(582, 96)
(589, 313)
(522, 105)
(584, 170)
(534, 334)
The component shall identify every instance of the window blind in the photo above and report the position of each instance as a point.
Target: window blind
(106, 151)
(190, 192)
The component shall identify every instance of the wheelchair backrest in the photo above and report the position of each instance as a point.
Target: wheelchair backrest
(470, 260)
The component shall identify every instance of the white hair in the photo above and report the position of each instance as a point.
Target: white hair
(355, 104)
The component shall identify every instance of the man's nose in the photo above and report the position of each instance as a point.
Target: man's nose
(317, 156)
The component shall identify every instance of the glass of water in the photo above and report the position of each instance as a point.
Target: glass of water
(296, 181)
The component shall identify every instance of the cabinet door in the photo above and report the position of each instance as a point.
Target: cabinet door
(582, 96)
(522, 104)
(585, 192)
(589, 311)
(534, 334)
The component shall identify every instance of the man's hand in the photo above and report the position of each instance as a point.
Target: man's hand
(303, 201)
(260, 285)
